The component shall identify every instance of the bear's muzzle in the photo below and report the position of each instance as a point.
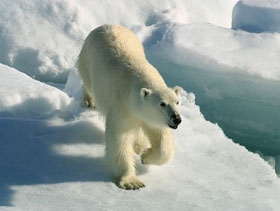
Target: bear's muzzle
(175, 121)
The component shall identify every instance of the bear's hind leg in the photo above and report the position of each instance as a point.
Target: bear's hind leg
(88, 100)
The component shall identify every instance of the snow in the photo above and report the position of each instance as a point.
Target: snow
(45, 54)
(36, 95)
(50, 53)
(257, 16)
(52, 149)
(56, 162)
(207, 46)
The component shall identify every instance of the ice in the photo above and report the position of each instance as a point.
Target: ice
(257, 16)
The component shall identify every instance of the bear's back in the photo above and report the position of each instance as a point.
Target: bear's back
(116, 44)
(127, 43)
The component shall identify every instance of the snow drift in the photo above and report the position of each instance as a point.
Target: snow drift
(21, 95)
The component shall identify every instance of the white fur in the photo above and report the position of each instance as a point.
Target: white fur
(133, 97)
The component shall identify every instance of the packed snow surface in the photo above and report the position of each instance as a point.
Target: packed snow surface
(52, 149)
(56, 161)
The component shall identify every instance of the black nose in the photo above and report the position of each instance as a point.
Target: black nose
(176, 119)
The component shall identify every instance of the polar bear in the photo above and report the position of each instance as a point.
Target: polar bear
(128, 91)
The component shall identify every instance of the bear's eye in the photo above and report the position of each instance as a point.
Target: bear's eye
(177, 103)
(163, 104)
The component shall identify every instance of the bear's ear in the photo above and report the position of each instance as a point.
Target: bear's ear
(177, 90)
(145, 92)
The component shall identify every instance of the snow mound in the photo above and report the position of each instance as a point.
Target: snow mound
(214, 48)
(45, 53)
(257, 16)
(25, 97)
(60, 160)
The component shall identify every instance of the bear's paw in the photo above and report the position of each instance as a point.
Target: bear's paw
(130, 183)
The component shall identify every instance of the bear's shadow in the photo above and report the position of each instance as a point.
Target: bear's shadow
(28, 155)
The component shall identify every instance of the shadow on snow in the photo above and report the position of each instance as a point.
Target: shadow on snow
(27, 155)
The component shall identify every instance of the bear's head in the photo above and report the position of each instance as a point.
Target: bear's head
(160, 107)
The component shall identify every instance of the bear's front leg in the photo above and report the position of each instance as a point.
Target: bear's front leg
(119, 155)
(162, 149)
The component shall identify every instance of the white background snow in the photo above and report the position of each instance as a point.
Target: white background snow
(225, 54)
